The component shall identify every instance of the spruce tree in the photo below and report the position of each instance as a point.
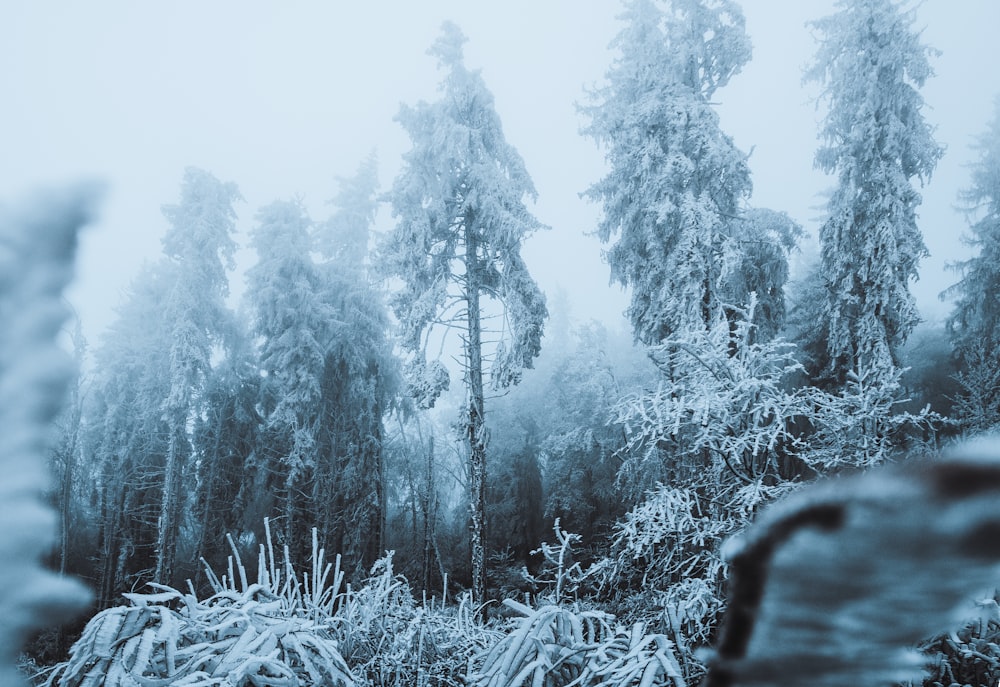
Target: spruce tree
(293, 324)
(974, 324)
(360, 378)
(673, 196)
(460, 222)
(876, 141)
(199, 248)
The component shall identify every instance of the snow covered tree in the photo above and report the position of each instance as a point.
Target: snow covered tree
(293, 324)
(227, 439)
(126, 434)
(151, 372)
(974, 324)
(871, 64)
(764, 240)
(199, 247)
(725, 419)
(360, 379)
(676, 183)
(344, 237)
(328, 376)
(456, 248)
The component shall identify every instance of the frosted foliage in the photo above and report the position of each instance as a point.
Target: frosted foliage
(676, 182)
(199, 248)
(555, 645)
(201, 227)
(460, 220)
(37, 247)
(425, 381)
(344, 237)
(291, 318)
(723, 404)
(860, 426)
(975, 322)
(876, 141)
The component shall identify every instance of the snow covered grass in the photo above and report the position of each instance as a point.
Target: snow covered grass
(281, 627)
(552, 646)
(970, 655)
(287, 627)
(275, 631)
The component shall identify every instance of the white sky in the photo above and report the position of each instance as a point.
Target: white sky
(283, 97)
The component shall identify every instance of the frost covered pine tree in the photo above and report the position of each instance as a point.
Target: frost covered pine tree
(974, 324)
(127, 433)
(361, 377)
(199, 248)
(293, 324)
(871, 64)
(677, 182)
(461, 218)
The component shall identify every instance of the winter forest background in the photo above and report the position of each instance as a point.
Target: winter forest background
(505, 491)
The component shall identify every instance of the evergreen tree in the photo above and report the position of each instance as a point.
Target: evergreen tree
(764, 241)
(871, 64)
(328, 374)
(456, 247)
(974, 324)
(344, 237)
(676, 183)
(294, 325)
(360, 379)
(199, 245)
(227, 437)
(126, 432)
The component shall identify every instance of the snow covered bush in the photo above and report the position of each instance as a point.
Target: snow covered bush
(720, 414)
(553, 646)
(240, 639)
(275, 631)
(669, 543)
(390, 639)
(970, 656)
(561, 577)
(289, 627)
(862, 425)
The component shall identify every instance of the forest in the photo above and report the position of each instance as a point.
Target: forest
(397, 461)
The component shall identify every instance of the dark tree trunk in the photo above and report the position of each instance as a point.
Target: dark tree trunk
(476, 421)
(426, 499)
(166, 530)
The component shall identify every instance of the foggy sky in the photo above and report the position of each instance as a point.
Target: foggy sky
(283, 98)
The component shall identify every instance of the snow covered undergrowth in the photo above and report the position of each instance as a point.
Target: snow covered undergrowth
(288, 628)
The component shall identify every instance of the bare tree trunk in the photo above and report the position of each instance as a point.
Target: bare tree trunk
(112, 509)
(69, 467)
(476, 422)
(289, 508)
